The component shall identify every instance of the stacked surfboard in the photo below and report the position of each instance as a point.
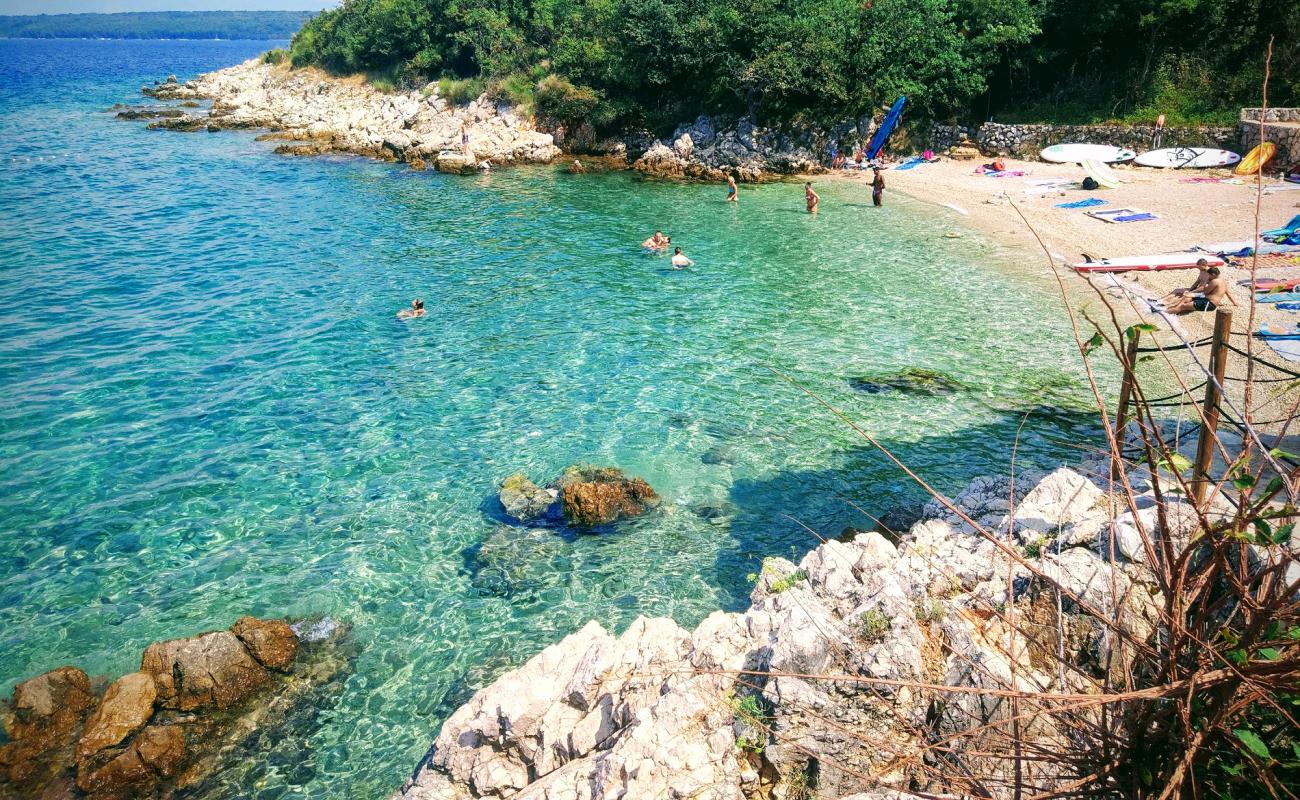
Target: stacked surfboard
(1187, 158)
(1079, 153)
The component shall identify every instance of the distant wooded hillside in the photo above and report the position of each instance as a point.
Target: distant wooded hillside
(156, 25)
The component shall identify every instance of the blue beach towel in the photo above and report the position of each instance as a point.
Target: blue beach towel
(1289, 306)
(911, 162)
(1089, 203)
(1291, 227)
(1290, 350)
(1134, 218)
(1277, 297)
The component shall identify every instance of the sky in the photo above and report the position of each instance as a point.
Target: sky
(108, 6)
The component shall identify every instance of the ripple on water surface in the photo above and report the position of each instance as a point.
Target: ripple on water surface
(210, 410)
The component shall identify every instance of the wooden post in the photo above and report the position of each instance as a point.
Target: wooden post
(1210, 407)
(1125, 394)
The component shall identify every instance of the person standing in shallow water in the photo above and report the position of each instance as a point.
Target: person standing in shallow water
(877, 187)
(731, 189)
(812, 197)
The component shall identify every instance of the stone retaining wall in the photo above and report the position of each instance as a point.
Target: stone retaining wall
(1025, 141)
(1281, 127)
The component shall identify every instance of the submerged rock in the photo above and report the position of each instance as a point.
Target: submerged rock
(909, 381)
(591, 496)
(511, 560)
(161, 728)
(150, 112)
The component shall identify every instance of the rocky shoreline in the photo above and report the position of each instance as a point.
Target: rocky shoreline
(177, 723)
(314, 113)
(821, 686)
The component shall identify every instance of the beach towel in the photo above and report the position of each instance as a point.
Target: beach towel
(1291, 227)
(1289, 306)
(1236, 181)
(1287, 348)
(1277, 297)
(911, 162)
(1088, 203)
(1122, 215)
(1292, 332)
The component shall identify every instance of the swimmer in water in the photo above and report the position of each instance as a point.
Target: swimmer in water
(416, 310)
(680, 261)
(812, 197)
(657, 242)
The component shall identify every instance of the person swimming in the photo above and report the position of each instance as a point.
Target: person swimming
(812, 197)
(731, 189)
(680, 261)
(416, 310)
(657, 242)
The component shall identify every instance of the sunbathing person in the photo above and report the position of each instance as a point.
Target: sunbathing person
(1198, 285)
(1211, 296)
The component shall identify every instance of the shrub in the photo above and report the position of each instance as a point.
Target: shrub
(463, 91)
(874, 626)
(781, 584)
(277, 56)
(560, 100)
(516, 89)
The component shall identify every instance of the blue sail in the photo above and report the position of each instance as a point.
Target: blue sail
(886, 128)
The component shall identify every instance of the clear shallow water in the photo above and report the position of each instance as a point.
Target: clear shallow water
(208, 408)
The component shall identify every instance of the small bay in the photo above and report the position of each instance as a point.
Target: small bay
(209, 408)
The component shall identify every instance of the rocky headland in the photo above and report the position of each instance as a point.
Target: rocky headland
(178, 723)
(843, 674)
(316, 113)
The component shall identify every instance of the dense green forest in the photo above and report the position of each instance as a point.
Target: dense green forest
(156, 25)
(657, 62)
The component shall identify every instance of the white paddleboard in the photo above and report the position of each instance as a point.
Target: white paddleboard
(1158, 261)
(1187, 157)
(1075, 153)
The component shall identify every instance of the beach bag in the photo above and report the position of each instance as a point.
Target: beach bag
(1089, 183)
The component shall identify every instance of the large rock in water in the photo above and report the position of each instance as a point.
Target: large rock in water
(42, 720)
(153, 730)
(593, 496)
(524, 500)
(213, 670)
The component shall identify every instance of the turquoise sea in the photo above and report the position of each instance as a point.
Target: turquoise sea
(209, 409)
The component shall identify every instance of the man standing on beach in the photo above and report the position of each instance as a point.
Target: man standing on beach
(877, 187)
(812, 197)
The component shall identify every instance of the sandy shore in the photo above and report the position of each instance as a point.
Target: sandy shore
(1189, 214)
